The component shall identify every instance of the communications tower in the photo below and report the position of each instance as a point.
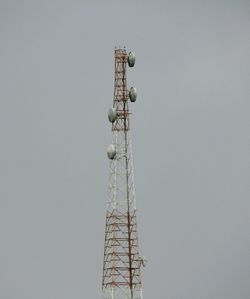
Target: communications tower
(122, 260)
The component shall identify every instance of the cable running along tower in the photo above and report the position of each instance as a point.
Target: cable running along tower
(122, 260)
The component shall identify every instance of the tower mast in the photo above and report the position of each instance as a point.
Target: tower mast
(122, 261)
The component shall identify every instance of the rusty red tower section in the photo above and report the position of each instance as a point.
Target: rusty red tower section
(122, 260)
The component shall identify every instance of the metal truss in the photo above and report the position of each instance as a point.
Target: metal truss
(122, 261)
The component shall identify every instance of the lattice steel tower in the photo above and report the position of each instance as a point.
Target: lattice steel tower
(122, 260)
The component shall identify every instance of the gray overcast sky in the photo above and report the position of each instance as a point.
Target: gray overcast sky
(190, 132)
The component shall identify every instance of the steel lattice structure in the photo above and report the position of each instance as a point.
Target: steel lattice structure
(122, 260)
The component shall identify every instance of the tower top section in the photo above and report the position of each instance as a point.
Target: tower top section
(121, 54)
(119, 114)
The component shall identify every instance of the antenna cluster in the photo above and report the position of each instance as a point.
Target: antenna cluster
(113, 113)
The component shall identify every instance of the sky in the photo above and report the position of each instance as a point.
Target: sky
(190, 136)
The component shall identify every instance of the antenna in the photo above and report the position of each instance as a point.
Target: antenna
(122, 260)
